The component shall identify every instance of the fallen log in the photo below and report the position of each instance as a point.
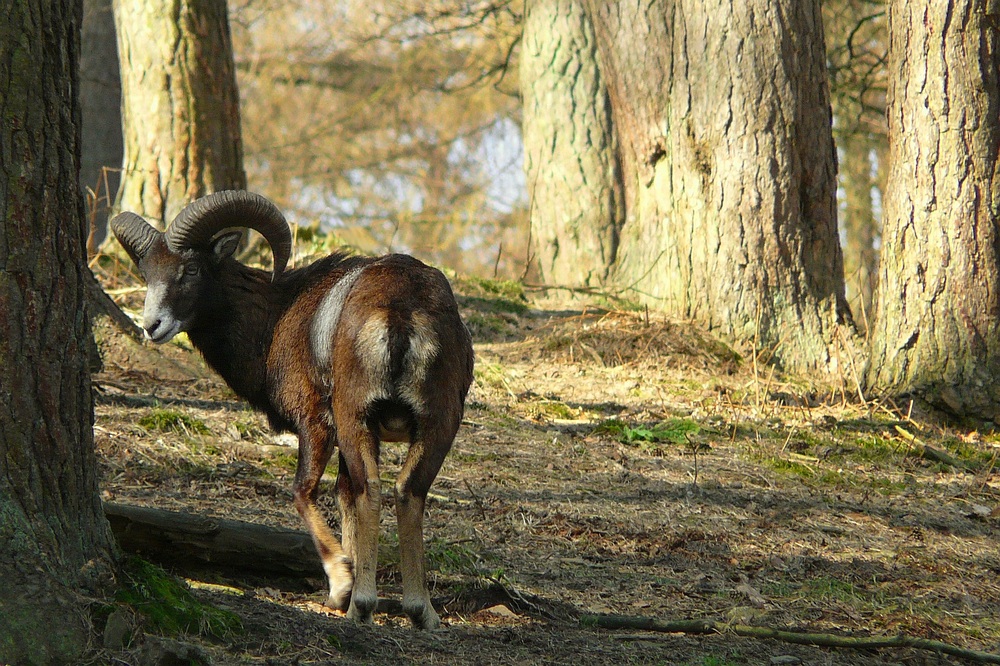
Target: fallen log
(174, 538)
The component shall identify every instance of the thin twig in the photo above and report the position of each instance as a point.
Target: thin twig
(800, 638)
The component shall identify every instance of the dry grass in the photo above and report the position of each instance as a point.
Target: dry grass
(569, 492)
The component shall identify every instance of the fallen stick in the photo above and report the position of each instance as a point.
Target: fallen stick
(801, 638)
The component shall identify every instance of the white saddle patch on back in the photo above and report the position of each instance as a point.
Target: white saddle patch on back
(324, 323)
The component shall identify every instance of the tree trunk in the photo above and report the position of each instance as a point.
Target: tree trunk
(729, 166)
(101, 131)
(180, 104)
(55, 544)
(860, 257)
(720, 173)
(569, 152)
(935, 333)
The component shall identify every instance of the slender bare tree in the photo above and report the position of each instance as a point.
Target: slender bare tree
(857, 41)
(101, 130)
(395, 123)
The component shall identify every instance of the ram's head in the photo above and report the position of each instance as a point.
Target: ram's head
(179, 264)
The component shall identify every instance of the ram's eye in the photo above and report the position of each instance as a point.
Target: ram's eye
(192, 269)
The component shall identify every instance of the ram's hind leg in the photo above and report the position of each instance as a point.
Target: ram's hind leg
(359, 492)
(314, 453)
(422, 464)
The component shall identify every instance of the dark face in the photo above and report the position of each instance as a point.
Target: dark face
(176, 283)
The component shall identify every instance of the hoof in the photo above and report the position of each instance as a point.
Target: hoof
(340, 602)
(361, 610)
(423, 617)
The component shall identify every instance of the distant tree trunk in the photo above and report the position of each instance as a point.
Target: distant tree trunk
(856, 41)
(56, 550)
(570, 156)
(936, 332)
(181, 105)
(860, 257)
(729, 169)
(101, 131)
(716, 187)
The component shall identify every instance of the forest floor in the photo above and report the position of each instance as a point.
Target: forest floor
(610, 462)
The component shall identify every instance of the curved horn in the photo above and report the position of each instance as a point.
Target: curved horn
(135, 234)
(203, 218)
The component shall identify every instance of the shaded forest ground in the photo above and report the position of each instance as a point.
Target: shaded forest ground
(610, 462)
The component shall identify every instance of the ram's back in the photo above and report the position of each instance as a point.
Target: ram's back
(384, 340)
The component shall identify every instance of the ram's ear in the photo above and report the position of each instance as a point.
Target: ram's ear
(225, 245)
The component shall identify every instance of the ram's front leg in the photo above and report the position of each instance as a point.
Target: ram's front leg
(359, 493)
(315, 447)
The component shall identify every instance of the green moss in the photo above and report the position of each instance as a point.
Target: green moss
(40, 628)
(832, 588)
(509, 289)
(789, 467)
(654, 439)
(168, 604)
(460, 558)
(673, 431)
(886, 487)
(168, 420)
(286, 461)
(249, 428)
(486, 325)
(552, 409)
(834, 478)
(492, 296)
(876, 449)
(490, 375)
(454, 558)
(972, 456)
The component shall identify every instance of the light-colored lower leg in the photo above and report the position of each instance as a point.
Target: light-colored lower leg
(416, 598)
(336, 562)
(348, 528)
(364, 540)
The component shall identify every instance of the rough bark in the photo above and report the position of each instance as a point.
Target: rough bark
(935, 333)
(723, 156)
(180, 104)
(101, 131)
(722, 115)
(189, 540)
(570, 156)
(55, 545)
